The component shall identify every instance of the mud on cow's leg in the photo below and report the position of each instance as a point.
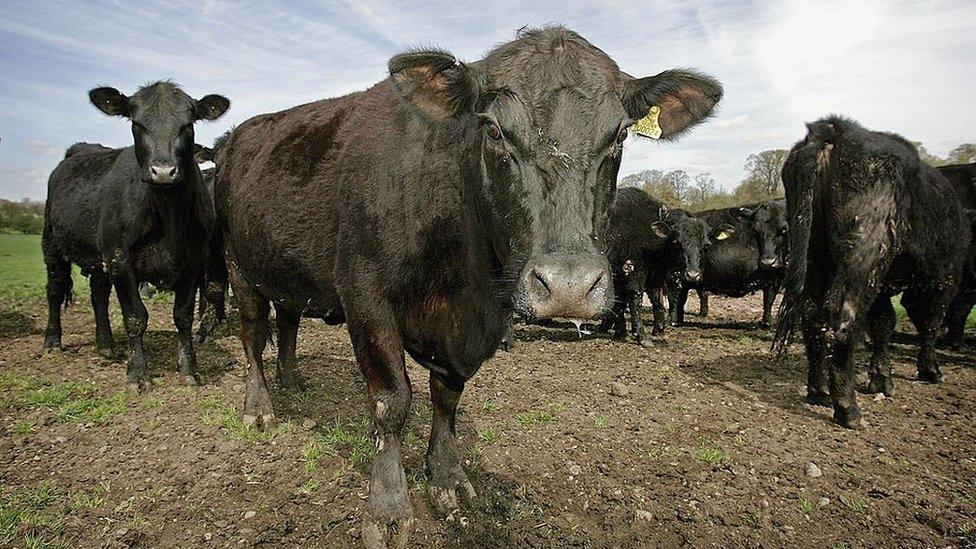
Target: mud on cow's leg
(814, 331)
(186, 292)
(444, 471)
(136, 319)
(288, 374)
(101, 291)
(254, 309)
(380, 354)
(881, 324)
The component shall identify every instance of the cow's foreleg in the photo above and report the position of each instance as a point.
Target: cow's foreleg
(288, 375)
(956, 317)
(136, 319)
(379, 352)
(101, 291)
(703, 303)
(444, 472)
(186, 293)
(881, 324)
(769, 297)
(657, 306)
(58, 295)
(927, 312)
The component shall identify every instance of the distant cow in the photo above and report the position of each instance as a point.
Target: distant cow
(963, 179)
(750, 259)
(867, 220)
(648, 243)
(424, 211)
(138, 214)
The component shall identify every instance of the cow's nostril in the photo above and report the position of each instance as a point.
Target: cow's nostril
(152, 170)
(596, 282)
(172, 172)
(541, 280)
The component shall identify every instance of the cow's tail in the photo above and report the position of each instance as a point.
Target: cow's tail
(799, 178)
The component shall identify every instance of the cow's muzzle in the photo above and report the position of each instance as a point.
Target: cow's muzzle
(769, 262)
(565, 286)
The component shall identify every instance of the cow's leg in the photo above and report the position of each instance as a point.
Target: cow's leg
(101, 292)
(657, 307)
(615, 319)
(681, 299)
(927, 311)
(288, 375)
(186, 294)
(672, 292)
(881, 324)
(956, 317)
(58, 295)
(814, 330)
(845, 309)
(444, 472)
(769, 297)
(254, 309)
(213, 291)
(702, 303)
(379, 352)
(635, 293)
(136, 319)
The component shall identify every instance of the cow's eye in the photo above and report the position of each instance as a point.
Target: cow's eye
(186, 127)
(494, 131)
(621, 135)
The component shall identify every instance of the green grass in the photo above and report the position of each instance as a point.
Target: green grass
(350, 441)
(33, 516)
(71, 402)
(488, 435)
(804, 504)
(22, 272)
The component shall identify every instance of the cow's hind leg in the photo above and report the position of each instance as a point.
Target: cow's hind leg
(444, 472)
(814, 330)
(659, 312)
(702, 303)
(213, 290)
(379, 352)
(254, 309)
(881, 324)
(288, 374)
(956, 317)
(58, 295)
(136, 319)
(769, 297)
(101, 292)
(186, 293)
(927, 312)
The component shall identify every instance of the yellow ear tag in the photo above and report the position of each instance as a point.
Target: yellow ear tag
(648, 126)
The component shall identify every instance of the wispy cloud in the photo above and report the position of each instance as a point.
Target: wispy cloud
(900, 66)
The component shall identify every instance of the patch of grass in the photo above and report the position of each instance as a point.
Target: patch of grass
(546, 415)
(213, 411)
(22, 271)
(34, 517)
(752, 520)
(489, 407)
(350, 441)
(82, 500)
(50, 397)
(854, 504)
(91, 409)
(308, 488)
(713, 456)
(153, 424)
(601, 422)
(488, 435)
(805, 505)
(24, 427)
(155, 493)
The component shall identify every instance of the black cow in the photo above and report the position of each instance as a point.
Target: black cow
(426, 209)
(750, 259)
(648, 243)
(867, 220)
(138, 214)
(213, 288)
(963, 179)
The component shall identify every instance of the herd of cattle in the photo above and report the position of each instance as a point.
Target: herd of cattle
(430, 210)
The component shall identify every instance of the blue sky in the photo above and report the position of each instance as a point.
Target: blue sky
(900, 66)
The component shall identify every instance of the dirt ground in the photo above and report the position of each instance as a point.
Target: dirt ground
(702, 440)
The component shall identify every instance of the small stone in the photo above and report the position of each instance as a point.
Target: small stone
(309, 424)
(813, 471)
(823, 502)
(250, 514)
(879, 397)
(575, 470)
(61, 440)
(207, 537)
(644, 515)
(619, 389)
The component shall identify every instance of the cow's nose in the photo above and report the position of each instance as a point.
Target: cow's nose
(693, 276)
(768, 262)
(163, 173)
(566, 286)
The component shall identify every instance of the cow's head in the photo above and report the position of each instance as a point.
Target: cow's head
(689, 238)
(768, 223)
(162, 117)
(552, 113)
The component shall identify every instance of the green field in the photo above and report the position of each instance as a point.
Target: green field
(22, 272)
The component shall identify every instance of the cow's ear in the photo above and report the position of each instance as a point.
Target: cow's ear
(202, 154)
(436, 83)
(723, 232)
(661, 229)
(683, 98)
(110, 101)
(211, 107)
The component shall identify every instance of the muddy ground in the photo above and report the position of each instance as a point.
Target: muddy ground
(703, 440)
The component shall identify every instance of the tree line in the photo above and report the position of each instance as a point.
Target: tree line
(679, 189)
(24, 217)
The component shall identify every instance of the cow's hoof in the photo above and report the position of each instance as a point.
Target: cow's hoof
(383, 534)
(644, 342)
(259, 422)
(291, 381)
(108, 352)
(819, 399)
(201, 337)
(190, 380)
(881, 385)
(929, 376)
(138, 386)
(849, 419)
(445, 500)
(51, 345)
(507, 345)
